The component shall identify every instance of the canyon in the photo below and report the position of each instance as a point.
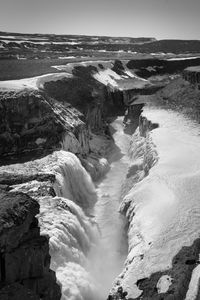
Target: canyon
(99, 181)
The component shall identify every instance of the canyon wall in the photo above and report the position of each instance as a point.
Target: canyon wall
(192, 75)
(33, 124)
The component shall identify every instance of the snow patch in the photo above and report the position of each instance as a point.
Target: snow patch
(34, 83)
(40, 141)
(107, 77)
(163, 284)
(181, 58)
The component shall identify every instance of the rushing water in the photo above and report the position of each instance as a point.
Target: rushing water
(107, 258)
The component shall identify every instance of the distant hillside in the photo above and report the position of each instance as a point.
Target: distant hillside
(78, 38)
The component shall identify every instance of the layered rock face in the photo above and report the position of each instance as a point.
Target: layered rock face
(34, 123)
(25, 260)
(92, 98)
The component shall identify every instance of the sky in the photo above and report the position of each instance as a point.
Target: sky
(162, 19)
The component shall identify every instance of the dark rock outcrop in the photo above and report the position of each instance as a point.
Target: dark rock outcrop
(27, 122)
(24, 253)
(192, 75)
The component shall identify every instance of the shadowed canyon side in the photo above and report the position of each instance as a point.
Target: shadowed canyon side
(99, 182)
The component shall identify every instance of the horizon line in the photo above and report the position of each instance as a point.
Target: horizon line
(97, 35)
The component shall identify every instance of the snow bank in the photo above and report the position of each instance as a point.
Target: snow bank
(182, 58)
(95, 63)
(34, 83)
(107, 77)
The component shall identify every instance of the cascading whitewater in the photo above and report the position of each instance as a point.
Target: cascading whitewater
(65, 219)
(72, 180)
(71, 232)
(71, 236)
(162, 207)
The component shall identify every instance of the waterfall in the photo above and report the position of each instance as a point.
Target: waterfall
(72, 180)
(72, 233)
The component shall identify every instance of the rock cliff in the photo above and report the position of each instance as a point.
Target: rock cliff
(192, 75)
(34, 124)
